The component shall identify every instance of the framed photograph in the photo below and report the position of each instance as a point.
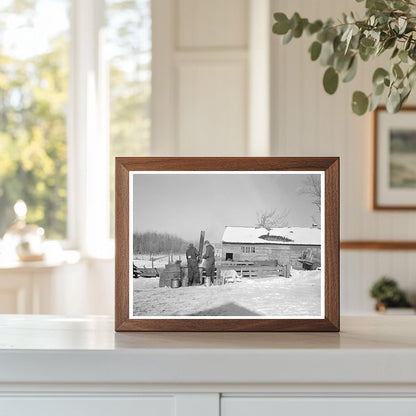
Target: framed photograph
(394, 179)
(227, 244)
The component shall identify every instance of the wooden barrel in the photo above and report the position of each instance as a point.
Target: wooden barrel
(171, 271)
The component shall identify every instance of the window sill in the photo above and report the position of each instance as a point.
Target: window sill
(50, 261)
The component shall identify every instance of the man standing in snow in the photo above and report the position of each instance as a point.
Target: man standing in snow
(209, 257)
(192, 256)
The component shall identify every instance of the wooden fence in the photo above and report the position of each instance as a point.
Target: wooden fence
(255, 271)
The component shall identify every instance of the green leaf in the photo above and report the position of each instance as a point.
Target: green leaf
(412, 70)
(281, 27)
(393, 101)
(379, 75)
(330, 80)
(408, 42)
(367, 42)
(315, 50)
(402, 24)
(298, 30)
(322, 36)
(294, 20)
(288, 37)
(355, 41)
(378, 89)
(403, 96)
(366, 53)
(351, 71)
(348, 34)
(403, 56)
(366, 48)
(412, 52)
(397, 71)
(376, 4)
(314, 27)
(400, 5)
(359, 103)
(374, 102)
(411, 76)
(341, 61)
(389, 43)
(395, 52)
(327, 53)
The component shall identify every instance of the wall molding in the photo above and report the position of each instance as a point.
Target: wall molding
(377, 245)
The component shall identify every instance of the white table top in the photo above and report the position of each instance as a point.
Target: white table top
(39, 348)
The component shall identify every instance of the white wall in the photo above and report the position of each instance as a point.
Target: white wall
(308, 122)
(200, 77)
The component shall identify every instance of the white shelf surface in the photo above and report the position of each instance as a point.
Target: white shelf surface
(53, 349)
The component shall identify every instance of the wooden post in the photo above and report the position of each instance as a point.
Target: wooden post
(286, 271)
(201, 242)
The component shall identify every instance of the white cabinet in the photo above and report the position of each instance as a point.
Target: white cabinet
(271, 406)
(87, 406)
(53, 365)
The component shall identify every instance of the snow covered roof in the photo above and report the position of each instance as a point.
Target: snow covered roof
(283, 235)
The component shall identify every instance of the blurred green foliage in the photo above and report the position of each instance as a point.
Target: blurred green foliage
(386, 291)
(33, 97)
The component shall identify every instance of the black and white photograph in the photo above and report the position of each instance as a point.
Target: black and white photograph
(226, 244)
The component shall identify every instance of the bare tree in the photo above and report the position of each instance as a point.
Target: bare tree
(272, 218)
(312, 186)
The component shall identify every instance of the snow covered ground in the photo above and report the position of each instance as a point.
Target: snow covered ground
(299, 295)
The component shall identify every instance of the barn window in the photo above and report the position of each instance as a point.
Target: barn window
(253, 249)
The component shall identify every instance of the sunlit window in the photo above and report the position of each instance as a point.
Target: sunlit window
(41, 72)
(129, 46)
(33, 103)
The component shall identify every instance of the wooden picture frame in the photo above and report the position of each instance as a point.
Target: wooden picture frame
(394, 184)
(131, 181)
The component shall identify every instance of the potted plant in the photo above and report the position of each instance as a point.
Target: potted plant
(387, 294)
(389, 27)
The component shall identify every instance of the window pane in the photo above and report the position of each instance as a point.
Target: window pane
(33, 100)
(129, 46)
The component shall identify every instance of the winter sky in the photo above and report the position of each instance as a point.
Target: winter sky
(186, 203)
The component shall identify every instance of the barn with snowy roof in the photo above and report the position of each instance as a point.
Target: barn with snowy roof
(284, 245)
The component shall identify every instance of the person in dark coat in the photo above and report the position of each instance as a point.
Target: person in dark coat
(209, 257)
(192, 257)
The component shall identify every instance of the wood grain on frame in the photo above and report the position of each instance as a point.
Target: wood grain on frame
(330, 165)
(376, 205)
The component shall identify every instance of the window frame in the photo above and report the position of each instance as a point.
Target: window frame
(87, 131)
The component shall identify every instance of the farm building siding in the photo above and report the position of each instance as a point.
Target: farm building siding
(282, 253)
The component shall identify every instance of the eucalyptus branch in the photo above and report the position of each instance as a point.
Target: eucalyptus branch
(388, 25)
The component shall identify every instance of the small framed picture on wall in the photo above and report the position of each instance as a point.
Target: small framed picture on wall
(394, 177)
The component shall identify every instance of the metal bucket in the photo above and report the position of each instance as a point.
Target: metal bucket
(175, 283)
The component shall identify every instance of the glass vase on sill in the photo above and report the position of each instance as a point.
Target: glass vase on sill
(23, 240)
